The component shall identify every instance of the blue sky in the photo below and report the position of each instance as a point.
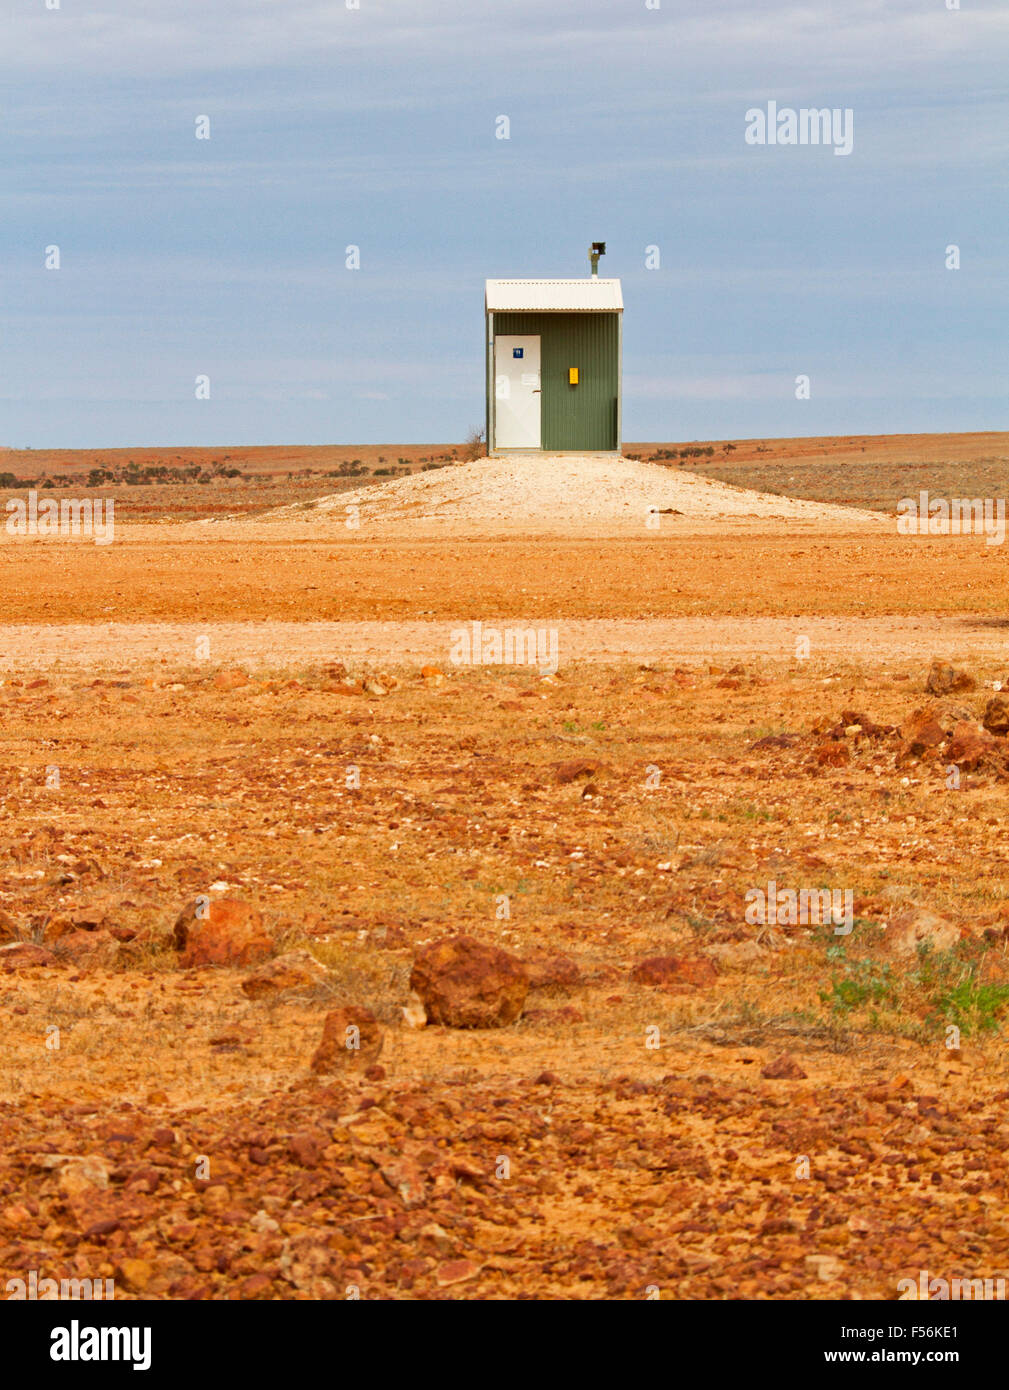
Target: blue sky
(376, 127)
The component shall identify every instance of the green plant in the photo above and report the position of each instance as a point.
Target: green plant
(858, 982)
(949, 979)
(973, 1007)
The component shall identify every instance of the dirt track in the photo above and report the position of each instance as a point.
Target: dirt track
(287, 646)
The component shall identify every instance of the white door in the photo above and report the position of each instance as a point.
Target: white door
(517, 391)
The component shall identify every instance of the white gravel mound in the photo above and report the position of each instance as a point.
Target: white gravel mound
(553, 493)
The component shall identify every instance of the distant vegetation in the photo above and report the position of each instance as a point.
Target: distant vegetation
(183, 472)
(134, 475)
(473, 447)
(694, 452)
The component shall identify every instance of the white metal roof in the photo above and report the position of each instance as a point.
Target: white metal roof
(572, 296)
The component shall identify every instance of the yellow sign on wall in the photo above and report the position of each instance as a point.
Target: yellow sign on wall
(572, 376)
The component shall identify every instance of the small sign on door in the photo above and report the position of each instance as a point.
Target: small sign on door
(518, 352)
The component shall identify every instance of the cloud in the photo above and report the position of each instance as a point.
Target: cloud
(696, 40)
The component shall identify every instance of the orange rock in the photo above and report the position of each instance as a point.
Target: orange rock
(464, 983)
(351, 1036)
(23, 955)
(578, 767)
(292, 970)
(971, 747)
(554, 974)
(456, 1272)
(92, 948)
(943, 677)
(996, 716)
(222, 932)
(231, 679)
(833, 754)
(916, 927)
(676, 972)
(783, 1068)
(921, 731)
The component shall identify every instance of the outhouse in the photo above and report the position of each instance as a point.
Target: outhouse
(553, 365)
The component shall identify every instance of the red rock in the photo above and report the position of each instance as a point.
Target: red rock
(256, 1285)
(996, 716)
(223, 932)
(775, 741)
(405, 1177)
(464, 983)
(23, 955)
(833, 754)
(943, 677)
(292, 970)
(676, 972)
(921, 731)
(101, 1228)
(456, 1272)
(971, 747)
(306, 1148)
(553, 974)
(783, 1068)
(231, 679)
(91, 948)
(90, 918)
(351, 1037)
(869, 728)
(917, 927)
(578, 767)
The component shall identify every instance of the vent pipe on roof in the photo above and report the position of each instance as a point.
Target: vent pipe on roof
(597, 249)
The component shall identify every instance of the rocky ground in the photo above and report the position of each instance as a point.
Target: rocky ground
(217, 879)
(331, 967)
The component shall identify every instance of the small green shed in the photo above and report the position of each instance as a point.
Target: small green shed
(553, 365)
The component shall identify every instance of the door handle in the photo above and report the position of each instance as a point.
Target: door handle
(536, 390)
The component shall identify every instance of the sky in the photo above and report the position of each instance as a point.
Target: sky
(336, 124)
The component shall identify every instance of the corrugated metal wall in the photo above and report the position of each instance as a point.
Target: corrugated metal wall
(582, 416)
